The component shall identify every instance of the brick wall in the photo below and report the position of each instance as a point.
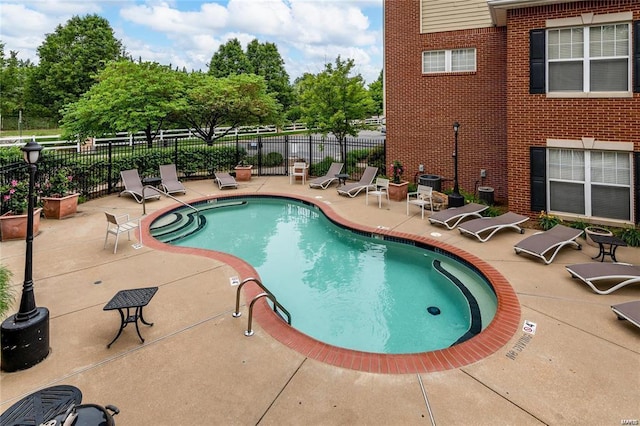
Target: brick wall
(421, 109)
(534, 118)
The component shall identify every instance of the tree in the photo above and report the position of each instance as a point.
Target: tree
(335, 102)
(13, 76)
(267, 62)
(376, 92)
(69, 60)
(233, 101)
(128, 97)
(229, 60)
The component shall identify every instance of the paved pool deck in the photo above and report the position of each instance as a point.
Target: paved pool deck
(196, 367)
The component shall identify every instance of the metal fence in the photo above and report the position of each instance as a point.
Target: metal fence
(95, 167)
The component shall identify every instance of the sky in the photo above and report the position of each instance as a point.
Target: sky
(186, 33)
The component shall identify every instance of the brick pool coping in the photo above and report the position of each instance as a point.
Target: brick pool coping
(497, 334)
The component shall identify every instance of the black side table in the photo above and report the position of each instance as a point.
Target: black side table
(342, 178)
(152, 181)
(613, 242)
(136, 299)
(41, 406)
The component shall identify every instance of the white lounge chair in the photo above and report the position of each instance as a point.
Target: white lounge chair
(323, 182)
(451, 217)
(546, 245)
(422, 198)
(629, 311)
(366, 181)
(485, 227)
(225, 180)
(380, 189)
(133, 186)
(170, 181)
(615, 275)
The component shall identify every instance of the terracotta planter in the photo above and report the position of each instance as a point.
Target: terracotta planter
(13, 227)
(243, 173)
(398, 191)
(60, 207)
(591, 230)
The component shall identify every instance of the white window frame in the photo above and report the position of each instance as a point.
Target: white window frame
(448, 60)
(586, 58)
(585, 178)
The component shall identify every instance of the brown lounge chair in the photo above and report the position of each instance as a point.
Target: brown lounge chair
(323, 182)
(225, 180)
(451, 217)
(170, 181)
(617, 275)
(485, 227)
(366, 181)
(546, 245)
(629, 311)
(133, 186)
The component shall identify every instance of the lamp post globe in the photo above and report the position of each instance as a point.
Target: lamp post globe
(455, 199)
(25, 335)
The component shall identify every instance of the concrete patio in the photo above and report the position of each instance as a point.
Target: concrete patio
(196, 367)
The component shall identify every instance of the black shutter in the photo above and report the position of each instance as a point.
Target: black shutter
(538, 164)
(636, 158)
(636, 57)
(536, 61)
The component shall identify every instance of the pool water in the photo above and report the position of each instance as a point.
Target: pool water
(347, 289)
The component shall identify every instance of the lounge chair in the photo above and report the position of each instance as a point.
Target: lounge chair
(485, 227)
(133, 186)
(366, 181)
(225, 180)
(629, 311)
(451, 217)
(422, 198)
(170, 181)
(546, 245)
(323, 182)
(616, 275)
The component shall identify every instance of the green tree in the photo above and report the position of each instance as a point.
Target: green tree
(237, 100)
(230, 59)
(376, 92)
(70, 58)
(13, 76)
(128, 97)
(335, 102)
(267, 62)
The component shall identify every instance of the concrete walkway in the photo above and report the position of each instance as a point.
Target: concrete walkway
(197, 368)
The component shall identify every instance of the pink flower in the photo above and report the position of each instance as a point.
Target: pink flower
(14, 183)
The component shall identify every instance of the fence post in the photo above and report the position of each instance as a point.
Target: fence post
(175, 151)
(109, 169)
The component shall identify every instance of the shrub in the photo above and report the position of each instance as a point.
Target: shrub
(547, 220)
(6, 292)
(272, 159)
(630, 235)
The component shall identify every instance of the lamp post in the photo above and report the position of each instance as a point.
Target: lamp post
(25, 335)
(455, 199)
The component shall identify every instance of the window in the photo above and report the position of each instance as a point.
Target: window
(458, 60)
(589, 59)
(590, 183)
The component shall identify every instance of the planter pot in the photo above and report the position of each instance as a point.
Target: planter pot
(58, 208)
(398, 191)
(243, 173)
(590, 230)
(13, 227)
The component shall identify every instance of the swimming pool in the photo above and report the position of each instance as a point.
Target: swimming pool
(356, 290)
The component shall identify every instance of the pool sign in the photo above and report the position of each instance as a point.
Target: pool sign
(529, 327)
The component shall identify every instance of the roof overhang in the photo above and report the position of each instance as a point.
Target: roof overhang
(499, 8)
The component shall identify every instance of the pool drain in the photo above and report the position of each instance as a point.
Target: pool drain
(433, 310)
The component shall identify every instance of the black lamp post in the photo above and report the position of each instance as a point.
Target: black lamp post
(455, 199)
(25, 335)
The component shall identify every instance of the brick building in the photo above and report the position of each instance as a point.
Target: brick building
(547, 94)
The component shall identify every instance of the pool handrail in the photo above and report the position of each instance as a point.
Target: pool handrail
(267, 292)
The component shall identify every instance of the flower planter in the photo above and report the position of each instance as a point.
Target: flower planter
(13, 227)
(60, 207)
(243, 173)
(591, 230)
(398, 191)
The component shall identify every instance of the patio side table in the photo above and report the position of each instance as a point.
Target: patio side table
(135, 299)
(611, 241)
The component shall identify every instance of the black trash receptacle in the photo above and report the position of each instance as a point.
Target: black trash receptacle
(434, 181)
(485, 193)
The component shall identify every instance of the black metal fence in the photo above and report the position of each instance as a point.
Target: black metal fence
(96, 167)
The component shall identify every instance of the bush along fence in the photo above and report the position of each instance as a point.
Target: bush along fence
(95, 169)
